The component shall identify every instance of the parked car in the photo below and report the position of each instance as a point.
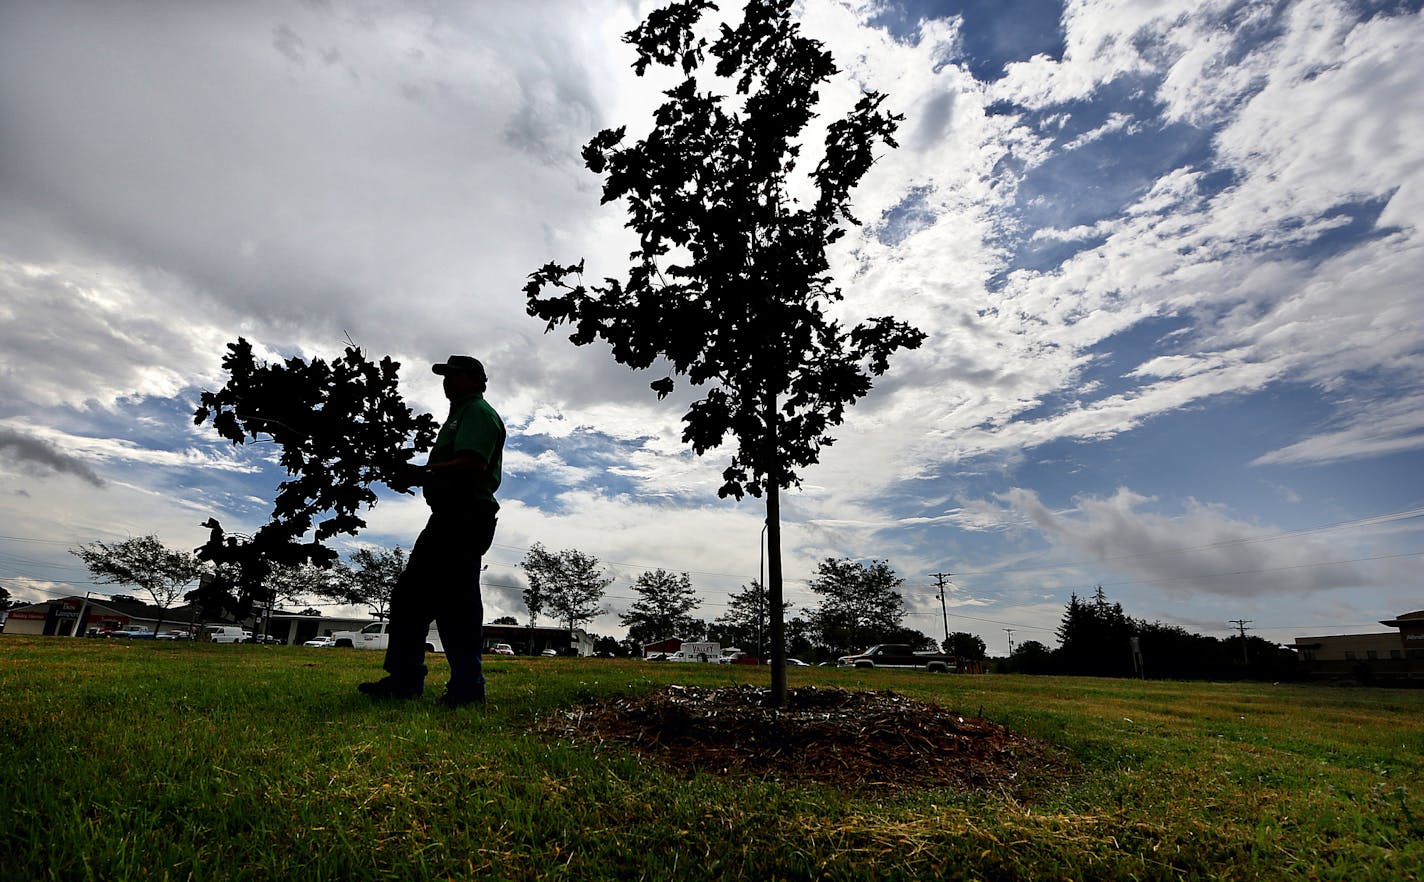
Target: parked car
(137, 632)
(550, 652)
(796, 663)
(739, 658)
(173, 635)
(502, 649)
(268, 639)
(321, 641)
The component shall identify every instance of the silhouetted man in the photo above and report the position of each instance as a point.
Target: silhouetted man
(441, 582)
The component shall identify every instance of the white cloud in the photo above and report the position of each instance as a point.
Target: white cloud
(300, 173)
(119, 450)
(1379, 429)
(1204, 551)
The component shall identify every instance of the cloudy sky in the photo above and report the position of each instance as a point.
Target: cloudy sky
(1168, 254)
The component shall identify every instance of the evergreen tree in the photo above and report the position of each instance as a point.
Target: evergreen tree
(1095, 638)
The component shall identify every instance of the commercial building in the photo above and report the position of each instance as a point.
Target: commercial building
(96, 615)
(1391, 655)
(78, 616)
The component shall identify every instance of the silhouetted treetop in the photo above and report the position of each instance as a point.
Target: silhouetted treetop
(340, 427)
(729, 284)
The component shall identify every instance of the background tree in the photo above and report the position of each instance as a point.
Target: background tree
(1095, 638)
(1029, 657)
(802, 641)
(505, 620)
(663, 608)
(609, 646)
(747, 619)
(917, 640)
(540, 566)
(297, 583)
(966, 646)
(860, 604)
(569, 583)
(730, 284)
(145, 563)
(341, 427)
(374, 574)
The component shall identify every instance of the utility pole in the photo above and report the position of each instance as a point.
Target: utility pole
(944, 610)
(1011, 640)
(1241, 624)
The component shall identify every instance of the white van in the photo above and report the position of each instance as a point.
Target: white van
(224, 634)
(377, 634)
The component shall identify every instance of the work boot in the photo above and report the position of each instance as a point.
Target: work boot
(390, 687)
(461, 697)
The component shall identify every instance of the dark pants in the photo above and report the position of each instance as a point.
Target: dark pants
(441, 583)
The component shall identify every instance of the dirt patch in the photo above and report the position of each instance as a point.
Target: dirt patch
(853, 740)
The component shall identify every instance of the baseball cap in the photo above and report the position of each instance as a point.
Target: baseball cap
(460, 364)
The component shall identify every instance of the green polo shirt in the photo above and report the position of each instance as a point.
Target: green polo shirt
(473, 427)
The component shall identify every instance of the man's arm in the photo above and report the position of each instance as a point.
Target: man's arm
(462, 463)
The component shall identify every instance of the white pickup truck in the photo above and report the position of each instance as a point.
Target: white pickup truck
(377, 634)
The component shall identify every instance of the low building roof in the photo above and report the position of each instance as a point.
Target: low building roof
(132, 608)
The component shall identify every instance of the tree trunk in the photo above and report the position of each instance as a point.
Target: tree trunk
(773, 542)
(778, 625)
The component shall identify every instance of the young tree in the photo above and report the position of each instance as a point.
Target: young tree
(143, 562)
(341, 428)
(540, 566)
(861, 604)
(663, 608)
(730, 285)
(569, 583)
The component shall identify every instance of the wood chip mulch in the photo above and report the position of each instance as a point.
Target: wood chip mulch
(858, 741)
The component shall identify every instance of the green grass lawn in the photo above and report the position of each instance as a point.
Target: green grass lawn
(169, 761)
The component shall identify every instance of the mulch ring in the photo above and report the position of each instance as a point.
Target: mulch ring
(857, 741)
